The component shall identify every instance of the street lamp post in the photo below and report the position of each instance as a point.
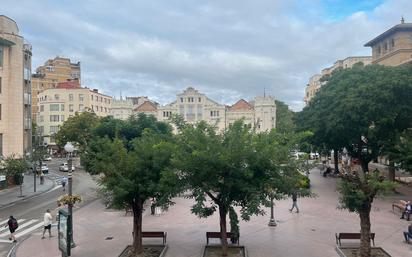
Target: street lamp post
(69, 148)
(272, 221)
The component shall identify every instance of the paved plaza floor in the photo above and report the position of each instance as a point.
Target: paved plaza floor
(310, 233)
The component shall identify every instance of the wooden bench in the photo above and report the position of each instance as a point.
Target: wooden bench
(229, 235)
(401, 204)
(155, 234)
(341, 236)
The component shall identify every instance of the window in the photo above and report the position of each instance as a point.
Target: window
(81, 107)
(41, 118)
(70, 97)
(54, 107)
(81, 97)
(200, 99)
(181, 99)
(62, 118)
(214, 113)
(26, 73)
(1, 56)
(392, 42)
(101, 99)
(0, 111)
(54, 129)
(181, 109)
(385, 47)
(167, 114)
(56, 97)
(54, 118)
(379, 50)
(0, 85)
(92, 97)
(92, 108)
(42, 108)
(62, 107)
(190, 99)
(199, 111)
(70, 108)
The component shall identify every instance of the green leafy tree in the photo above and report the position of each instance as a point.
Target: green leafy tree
(284, 118)
(78, 130)
(15, 168)
(235, 168)
(135, 166)
(356, 109)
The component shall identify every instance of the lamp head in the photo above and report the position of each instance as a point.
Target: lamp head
(69, 147)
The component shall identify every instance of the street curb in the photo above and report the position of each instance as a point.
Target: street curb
(31, 196)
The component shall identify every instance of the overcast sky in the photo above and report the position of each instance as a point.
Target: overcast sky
(228, 49)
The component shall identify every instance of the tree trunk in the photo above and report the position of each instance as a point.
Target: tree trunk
(223, 229)
(365, 223)
(336, 160)
(391, 175)
(137, 226)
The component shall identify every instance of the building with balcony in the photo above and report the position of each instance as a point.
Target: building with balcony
(47, 76)
(15, 90)
(58, 104)
(394, 46)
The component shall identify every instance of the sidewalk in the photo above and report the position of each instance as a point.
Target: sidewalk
(11, 195)
(311, 233)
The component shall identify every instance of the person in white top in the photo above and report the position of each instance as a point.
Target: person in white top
(47, 223)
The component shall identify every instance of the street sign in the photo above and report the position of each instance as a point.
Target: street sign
(64, 230)
(2, 177)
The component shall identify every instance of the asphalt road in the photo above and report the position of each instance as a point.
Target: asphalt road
(34, 208)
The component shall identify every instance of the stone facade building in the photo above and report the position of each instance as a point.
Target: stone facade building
(15, 90)
(194, 106)
(121, 108)
(394, 46)
(58, 104)
(315, 82)
(50, 74)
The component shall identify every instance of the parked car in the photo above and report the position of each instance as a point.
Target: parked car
(64, 167)
(48, 158)
(44, 168)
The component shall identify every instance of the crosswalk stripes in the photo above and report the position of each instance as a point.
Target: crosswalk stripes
(26, 226)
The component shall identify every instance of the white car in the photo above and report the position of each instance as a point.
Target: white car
(64, 167)
(48, 158)
(44, 168)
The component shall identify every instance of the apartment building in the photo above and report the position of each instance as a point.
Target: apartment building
(194, 106)
(47, 76)
(394, 46)
(315, 82)
(15, 90)
(58, 104)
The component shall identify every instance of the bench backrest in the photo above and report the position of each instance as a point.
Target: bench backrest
(217, 234)
(153, 234)
(353, 236)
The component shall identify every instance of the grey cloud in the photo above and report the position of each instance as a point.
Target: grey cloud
(227, 49)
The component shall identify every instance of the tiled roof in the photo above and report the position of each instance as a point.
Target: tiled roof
(69, 84)
(146, 107)
(241, 105)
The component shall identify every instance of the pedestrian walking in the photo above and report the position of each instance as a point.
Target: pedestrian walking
(47, 221)
(295, 202)
(41, 178)
(152, 206)
(408, 234)
(13, 225)
(64, 182)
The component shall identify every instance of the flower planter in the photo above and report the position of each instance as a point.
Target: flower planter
(148, 251)
(216, 251)
(353, 251)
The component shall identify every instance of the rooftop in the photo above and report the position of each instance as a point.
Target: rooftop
(396, 28)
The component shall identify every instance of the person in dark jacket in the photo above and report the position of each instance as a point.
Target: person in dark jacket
(295, 202)
(408, 234)
(12, 224)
